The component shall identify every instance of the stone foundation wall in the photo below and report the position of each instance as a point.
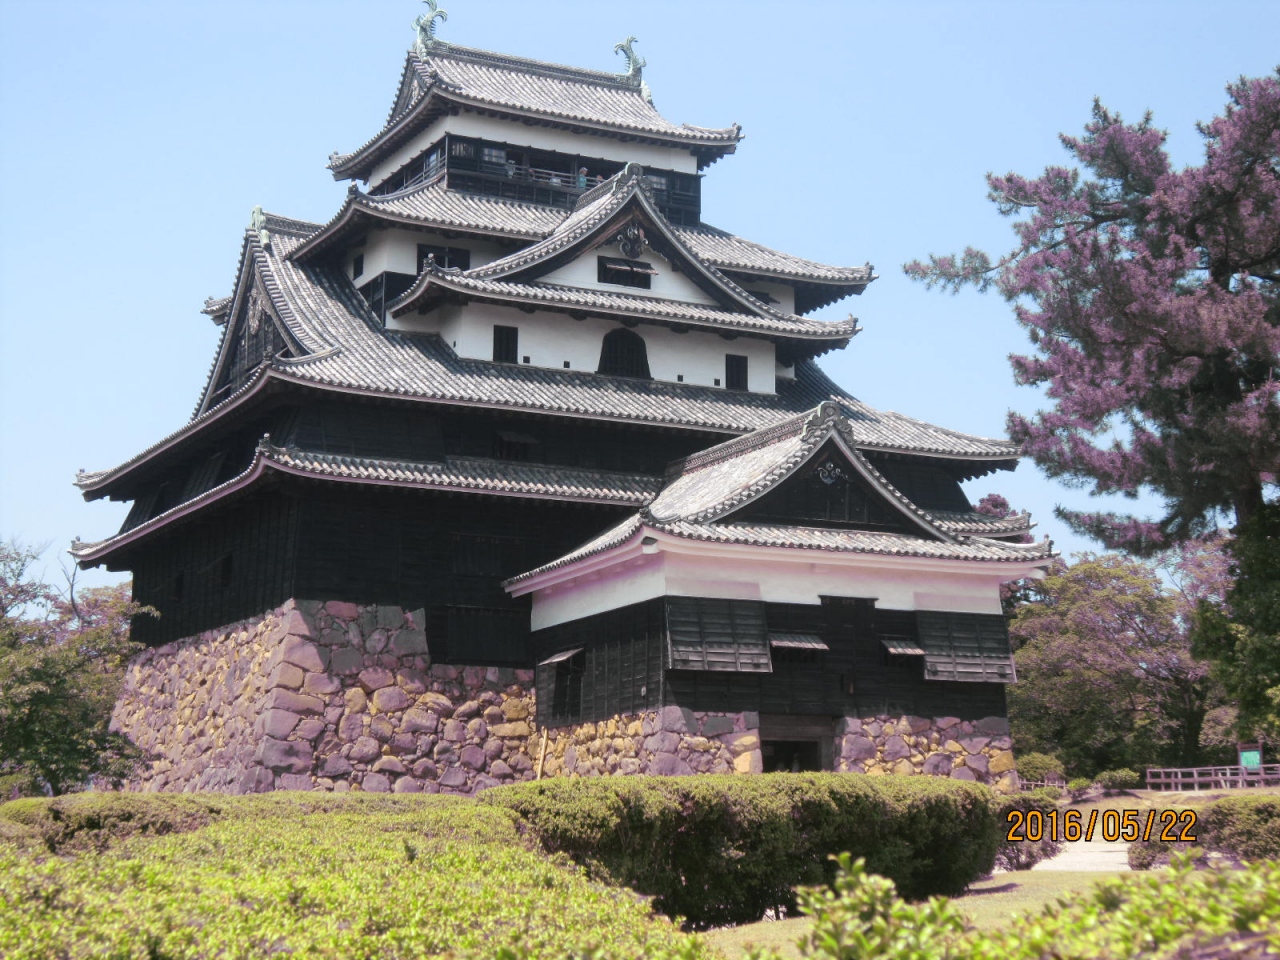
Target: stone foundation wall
(323, 696)
(978, 750)
(335, 696)
(667, 742)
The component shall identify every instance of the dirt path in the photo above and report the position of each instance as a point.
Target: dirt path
(1085, 856)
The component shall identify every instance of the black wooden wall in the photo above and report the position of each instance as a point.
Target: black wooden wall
(446, 553)
(236, 561)
(626, 650)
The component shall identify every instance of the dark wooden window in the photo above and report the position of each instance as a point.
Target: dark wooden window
(447, 257)
(712, 634)
(225, 571)
(624, 354)
(627, 273)
(972, 647)
(514, 445)
(357, 265)
(735, 372)
(566, 691)
(463, 149)
(383, 289)
(506, 344)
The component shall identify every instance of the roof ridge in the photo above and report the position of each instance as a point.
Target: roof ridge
(736, 446)
(512, 61)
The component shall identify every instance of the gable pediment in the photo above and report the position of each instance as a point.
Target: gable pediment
(828, 490)
(254, 335)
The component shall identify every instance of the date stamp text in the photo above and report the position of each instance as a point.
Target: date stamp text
(1060, 826)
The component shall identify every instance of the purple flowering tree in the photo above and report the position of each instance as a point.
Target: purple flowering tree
(1152, 296)
(1105, 667)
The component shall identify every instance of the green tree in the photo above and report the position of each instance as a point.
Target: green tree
(1106, 674)
(62, 662)
(1241, 636)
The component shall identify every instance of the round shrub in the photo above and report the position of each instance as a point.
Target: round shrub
(1122, 779)
(1040, 766)
(1021, 854)
(1247, 828)
(1079, 787)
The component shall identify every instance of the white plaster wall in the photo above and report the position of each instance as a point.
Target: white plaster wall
(667, 284)
(468, 124)
(549, 339)
(906, 584)
(784, 293)
(396, 250)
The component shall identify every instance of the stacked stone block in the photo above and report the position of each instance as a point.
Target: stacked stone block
(329, 696)
(978, 750)
(335, 696)
(672, 741)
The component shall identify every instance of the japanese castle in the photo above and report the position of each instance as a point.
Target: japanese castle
(516, 398)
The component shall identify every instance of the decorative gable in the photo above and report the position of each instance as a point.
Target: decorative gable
(828, 491)
(255, 336)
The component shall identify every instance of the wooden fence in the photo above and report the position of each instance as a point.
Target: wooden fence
(1212, 778)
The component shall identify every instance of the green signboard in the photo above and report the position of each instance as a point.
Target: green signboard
(1250, 755)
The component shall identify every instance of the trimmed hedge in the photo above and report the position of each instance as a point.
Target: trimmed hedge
(1243, 828)
(306, 875)
(724, 849)
(1247, 828)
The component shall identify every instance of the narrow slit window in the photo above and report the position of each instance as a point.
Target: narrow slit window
(626, 273)
(357, 266)
(735, 372)
(506, 344)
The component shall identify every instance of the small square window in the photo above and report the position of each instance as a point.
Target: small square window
(566, 364)
(357, 265)
(525, 360)
(735, 372)
(506, 344)
(717, 381)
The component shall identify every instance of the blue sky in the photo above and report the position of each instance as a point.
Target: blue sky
(138, 135)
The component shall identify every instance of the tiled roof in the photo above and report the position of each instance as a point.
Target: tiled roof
(714, 483)
(802, 538)
(479, 475)
(728, 252)
(454, 474)
(625, 199)
(433, 205)
(351, 351)
(704, 491)
(983, 524)
(554, 296)
(580, 99)
(859, 541)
